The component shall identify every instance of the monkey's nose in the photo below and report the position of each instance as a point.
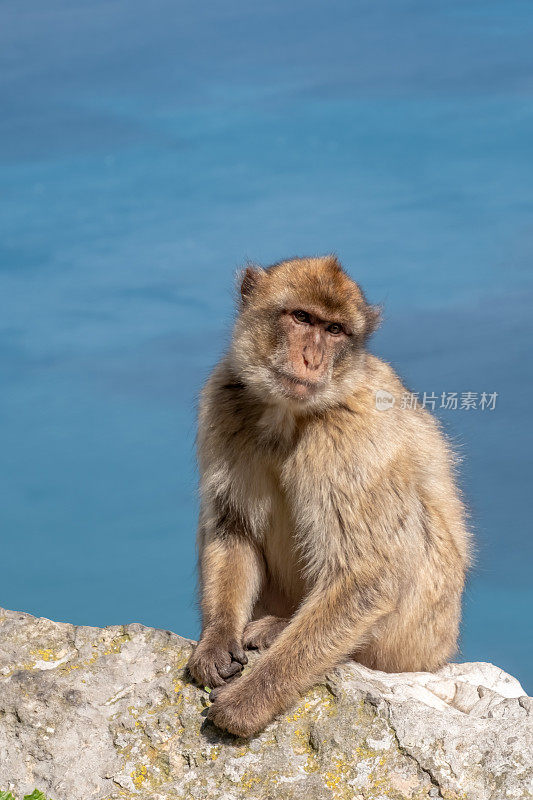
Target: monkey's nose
(312, 359)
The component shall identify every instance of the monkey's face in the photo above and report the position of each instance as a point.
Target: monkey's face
(300, 333)
(309, 348)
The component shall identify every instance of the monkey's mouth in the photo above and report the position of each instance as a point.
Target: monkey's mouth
(298, 388)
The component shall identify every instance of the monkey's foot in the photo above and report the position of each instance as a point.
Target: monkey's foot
(260, 633)
(215, 662)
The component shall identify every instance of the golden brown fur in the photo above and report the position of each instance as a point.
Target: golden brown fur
(328, 529)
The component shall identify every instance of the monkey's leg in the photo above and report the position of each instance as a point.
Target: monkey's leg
(323, 633)
(260, 633)
(231, 573)
(418, 638)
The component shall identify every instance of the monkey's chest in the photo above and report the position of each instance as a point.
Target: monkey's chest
(281, 552)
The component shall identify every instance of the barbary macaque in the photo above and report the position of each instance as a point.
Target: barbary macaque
(329, 529)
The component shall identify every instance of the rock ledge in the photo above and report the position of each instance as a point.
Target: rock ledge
(107, 714)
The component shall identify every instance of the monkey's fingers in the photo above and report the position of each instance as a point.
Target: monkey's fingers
(229, 671)
(206, 674)
(204, 665)
(238, 654)
(213, 694)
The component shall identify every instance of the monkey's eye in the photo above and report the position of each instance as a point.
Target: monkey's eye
(334, 328)
(301, 316)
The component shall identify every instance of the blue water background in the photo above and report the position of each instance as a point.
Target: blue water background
(149, 149)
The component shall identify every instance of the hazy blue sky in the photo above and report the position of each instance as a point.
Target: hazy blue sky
(148, 150)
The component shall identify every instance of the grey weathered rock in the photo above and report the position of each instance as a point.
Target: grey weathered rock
(109, 713)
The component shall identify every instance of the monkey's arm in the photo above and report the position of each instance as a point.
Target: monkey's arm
(329, 625)
(231, 574)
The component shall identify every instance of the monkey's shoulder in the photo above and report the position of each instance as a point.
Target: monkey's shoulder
(379, 374)
(225, 412)
(386, 392)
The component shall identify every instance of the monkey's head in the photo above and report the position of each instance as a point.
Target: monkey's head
(301, 331)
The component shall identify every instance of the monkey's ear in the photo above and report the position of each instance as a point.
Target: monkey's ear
(249, 279)
(373, 315)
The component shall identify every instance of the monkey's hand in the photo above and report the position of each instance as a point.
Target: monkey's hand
(240, 707)
(215, 660)
(259, 634)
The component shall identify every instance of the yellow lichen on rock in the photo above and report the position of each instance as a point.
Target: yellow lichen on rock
(139, 776)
